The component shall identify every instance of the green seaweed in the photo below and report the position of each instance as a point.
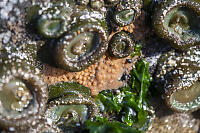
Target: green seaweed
(102, 125)
(137, 50)
(130, 103)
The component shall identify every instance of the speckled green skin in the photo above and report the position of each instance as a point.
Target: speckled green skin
(178, 71)
(85, 43)
(70, 97)
(17, 66)
(60, 89)
(121, 45)
(178, 21)
(127, 11)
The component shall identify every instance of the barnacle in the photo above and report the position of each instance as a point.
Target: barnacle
(178, 22)
(127, 11)
(179, 75)
(23, 94)
(121, 45)
(71, 105)
(84, 44)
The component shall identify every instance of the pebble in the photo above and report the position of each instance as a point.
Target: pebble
(8, 6)
(6, 36)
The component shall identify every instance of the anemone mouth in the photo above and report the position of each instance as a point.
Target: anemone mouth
(15, 97)
(180, 21)
(18, 97)
(53, 26)
(82, 46)
(22, 95)
(186, 99)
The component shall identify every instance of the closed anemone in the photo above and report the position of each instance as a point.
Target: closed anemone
(127, 11)
(81, 48)
(183, 90)
(70, 105)
(178, 73)
(72, 94)
(124, 17)
(20, 97)
(67, 116)
(121, 45)
(53, 21)
(23, 94)
(83, 2)
(178, 22)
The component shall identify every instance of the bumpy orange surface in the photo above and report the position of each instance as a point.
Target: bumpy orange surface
(103, 75)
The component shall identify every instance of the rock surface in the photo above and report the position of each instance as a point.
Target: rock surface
(13, 32)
